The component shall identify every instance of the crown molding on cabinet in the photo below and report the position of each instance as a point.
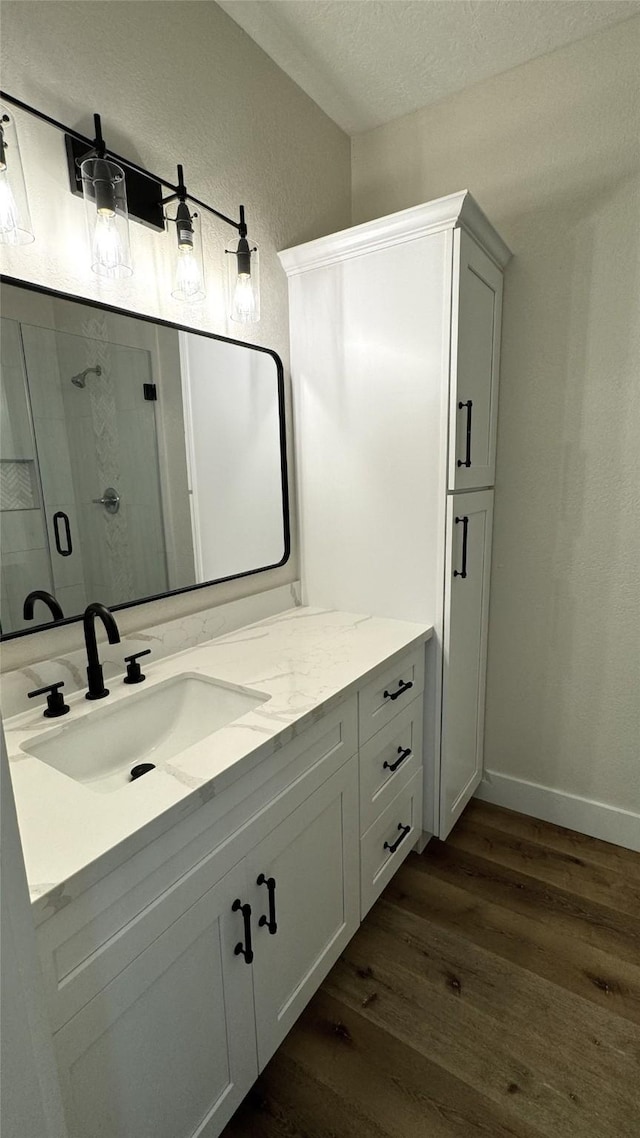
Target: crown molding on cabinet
(459, 210)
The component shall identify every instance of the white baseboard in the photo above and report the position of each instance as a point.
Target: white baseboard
(609, 823)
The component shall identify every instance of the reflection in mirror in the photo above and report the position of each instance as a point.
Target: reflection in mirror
(137, 458)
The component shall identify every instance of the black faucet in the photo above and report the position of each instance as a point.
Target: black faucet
(95, 680)
(41, 595)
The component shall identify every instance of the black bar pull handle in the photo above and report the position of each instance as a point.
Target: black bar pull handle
(465, 534)
(58, 517)
(269, 921)
(469, 406)
(405, 830)
(402, 755)
(400, 690)
(245, 949)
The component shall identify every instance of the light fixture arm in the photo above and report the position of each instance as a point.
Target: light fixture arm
(94, 145)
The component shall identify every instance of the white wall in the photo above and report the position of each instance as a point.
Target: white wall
(175, 81)
(551, 150)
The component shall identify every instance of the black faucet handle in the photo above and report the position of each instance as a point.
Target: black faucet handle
(55, 700)
(134, 674)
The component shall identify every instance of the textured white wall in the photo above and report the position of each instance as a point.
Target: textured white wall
(551, 150)
(175, 81)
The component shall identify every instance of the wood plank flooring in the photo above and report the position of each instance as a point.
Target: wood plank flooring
(492, 992)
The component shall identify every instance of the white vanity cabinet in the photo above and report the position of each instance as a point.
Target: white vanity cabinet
(312, 860)
(172, 979)
(395, 343)
(172, 1044)
(167, 1049)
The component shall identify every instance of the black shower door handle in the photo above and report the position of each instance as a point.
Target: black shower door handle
(465, 534)
(59, 517)
(467, 459)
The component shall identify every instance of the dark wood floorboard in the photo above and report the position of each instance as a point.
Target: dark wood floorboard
(492, 992)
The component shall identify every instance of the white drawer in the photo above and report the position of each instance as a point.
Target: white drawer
(389, 760)
(388, 841)
(390, 692)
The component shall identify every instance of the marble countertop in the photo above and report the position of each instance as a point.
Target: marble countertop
(304, 661)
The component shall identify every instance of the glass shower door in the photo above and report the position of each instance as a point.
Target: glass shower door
(26, 564)
(95, 431)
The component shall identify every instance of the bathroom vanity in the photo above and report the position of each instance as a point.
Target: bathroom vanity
(184, 919)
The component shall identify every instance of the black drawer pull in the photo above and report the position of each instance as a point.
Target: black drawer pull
(402, 755)
(246, 949)
(467, 460)
(269, 921)
(403, 687)
(405, 830)
(465, 534)
(58, 517)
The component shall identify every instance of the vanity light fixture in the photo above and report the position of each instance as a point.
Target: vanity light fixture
(104, 191)
(243, 278)
(115, 189)
(188, 284)
(15, 219)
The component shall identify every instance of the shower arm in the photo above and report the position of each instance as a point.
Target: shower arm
(80, 379)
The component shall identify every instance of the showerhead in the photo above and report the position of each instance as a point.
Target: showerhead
(80, 380)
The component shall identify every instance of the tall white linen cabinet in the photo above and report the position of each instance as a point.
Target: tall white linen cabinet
(395, 345)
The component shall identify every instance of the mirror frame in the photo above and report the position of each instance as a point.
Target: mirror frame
(286, 524)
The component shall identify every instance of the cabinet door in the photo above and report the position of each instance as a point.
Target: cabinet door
(468, 565)
(312, 860)
(475, 364)
(167, 1049)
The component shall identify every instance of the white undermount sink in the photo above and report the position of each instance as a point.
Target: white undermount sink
(151, 726)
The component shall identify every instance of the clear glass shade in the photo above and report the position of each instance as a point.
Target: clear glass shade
(105, 200)
(188, 278)
(243, 283)
(15, 218)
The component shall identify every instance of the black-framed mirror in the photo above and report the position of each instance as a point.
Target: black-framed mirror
(138, 458)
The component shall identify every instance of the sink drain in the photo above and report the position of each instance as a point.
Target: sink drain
(141, 769)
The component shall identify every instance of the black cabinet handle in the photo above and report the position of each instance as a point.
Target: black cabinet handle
(405, 830)
(269, 921)
(58, 517)
(402, 755)
(465, 534)
(244, 949)
(469, 406)
(403, 687)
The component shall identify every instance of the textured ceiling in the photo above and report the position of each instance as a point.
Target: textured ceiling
(366, 62)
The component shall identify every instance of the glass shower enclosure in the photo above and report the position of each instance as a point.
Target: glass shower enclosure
(81, 512)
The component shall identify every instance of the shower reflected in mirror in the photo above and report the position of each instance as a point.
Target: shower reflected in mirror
(137, 458)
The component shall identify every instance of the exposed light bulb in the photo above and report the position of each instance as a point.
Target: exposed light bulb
(244, 300)
(243, 279)
(15, 221)
(107, 249)
(8, 212)
(188, 284)
(105, 200)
